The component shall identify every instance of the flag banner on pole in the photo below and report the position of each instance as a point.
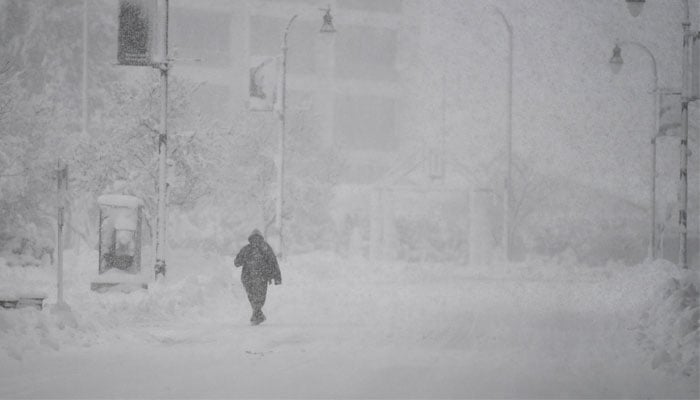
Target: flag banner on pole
(136, 32)
(262, 90)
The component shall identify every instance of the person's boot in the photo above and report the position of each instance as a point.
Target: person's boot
(258, 317)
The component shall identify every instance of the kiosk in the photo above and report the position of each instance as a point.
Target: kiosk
(120, 243)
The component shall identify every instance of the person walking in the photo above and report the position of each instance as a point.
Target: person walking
(260, 268)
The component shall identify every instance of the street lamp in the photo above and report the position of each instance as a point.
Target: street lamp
(616, 65)
(635, 7)
(508, 192)
(686, 98)
(327, 27)
(616, 59)
(281, 111)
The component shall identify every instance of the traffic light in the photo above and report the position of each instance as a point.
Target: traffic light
(136, 32)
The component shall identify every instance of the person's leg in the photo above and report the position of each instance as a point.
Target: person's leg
(259, 292)
(250, 292)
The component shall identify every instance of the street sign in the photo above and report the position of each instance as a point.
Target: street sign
(136, 32)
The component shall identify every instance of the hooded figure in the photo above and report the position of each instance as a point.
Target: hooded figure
(260, 268)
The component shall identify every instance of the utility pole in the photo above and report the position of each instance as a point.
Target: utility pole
(162, 65)
(687, 95)
(508, 189)
(616, 64)
(143, 41)
(657, 117)
(85, 71)
(685, 100)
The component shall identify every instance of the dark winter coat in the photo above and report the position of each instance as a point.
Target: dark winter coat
(258, 261)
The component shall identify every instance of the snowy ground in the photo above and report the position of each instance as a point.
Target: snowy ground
(344, 328)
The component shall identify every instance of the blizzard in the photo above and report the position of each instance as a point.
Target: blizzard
(350, 328)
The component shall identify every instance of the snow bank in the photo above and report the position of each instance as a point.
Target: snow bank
(197, 288)
(23, 280)
(28, 329)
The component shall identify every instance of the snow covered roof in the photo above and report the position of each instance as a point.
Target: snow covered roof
(128, 222)
(119, 200)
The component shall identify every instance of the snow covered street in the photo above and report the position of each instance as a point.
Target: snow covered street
(350, 199)
(405, 331)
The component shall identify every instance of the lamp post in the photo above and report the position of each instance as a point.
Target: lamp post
(686, 97)
(508, 192)
(281, 115)
(616, 64)
(327, 27)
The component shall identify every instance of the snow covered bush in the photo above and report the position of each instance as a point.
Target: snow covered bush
(241, 185)
(428, 239)
(593, 224)
(553, 214)
(40, 105)
(669, 326)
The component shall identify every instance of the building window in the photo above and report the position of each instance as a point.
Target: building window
(367, 53)
(366, 122)
(388, 6)
(201, 34)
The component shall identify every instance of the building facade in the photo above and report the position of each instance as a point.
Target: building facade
(350, 81)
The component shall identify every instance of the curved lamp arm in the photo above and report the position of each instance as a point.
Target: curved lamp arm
(503, 17)
(286, 32)
(651, 56)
